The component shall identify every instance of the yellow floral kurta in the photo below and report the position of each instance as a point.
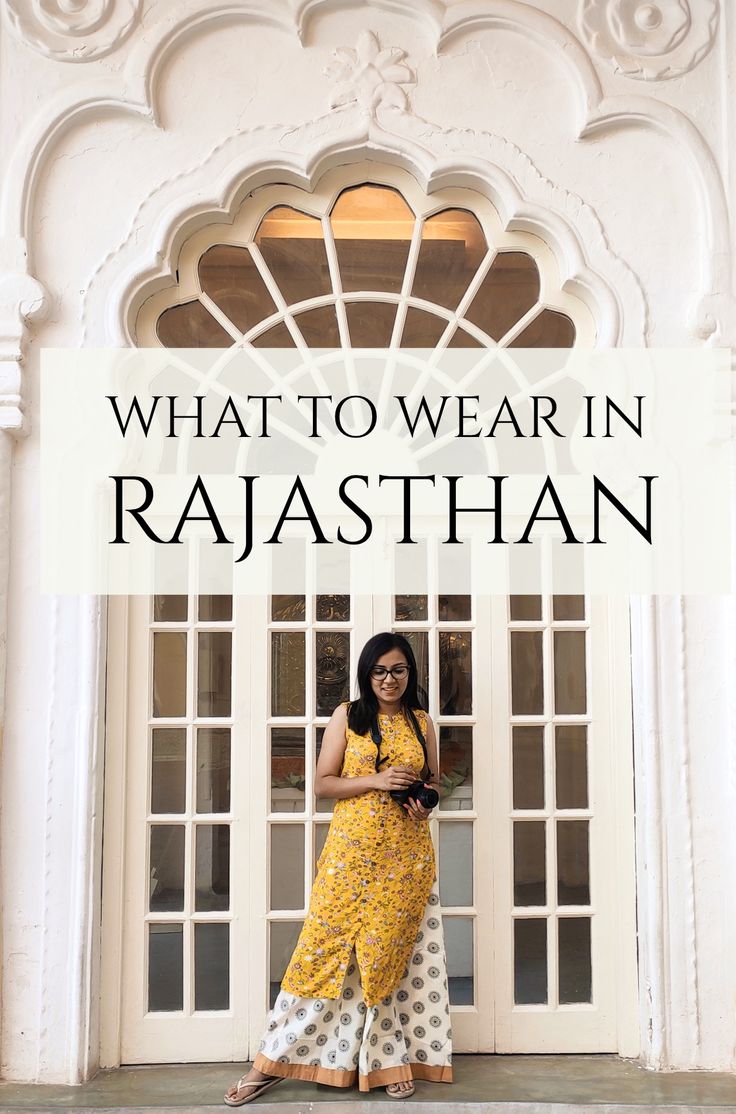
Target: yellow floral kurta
(374, 877)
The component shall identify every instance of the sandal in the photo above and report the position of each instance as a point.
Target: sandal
(404, 1094)
(258, 1085)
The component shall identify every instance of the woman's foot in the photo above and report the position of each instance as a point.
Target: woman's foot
(248, 1086)
(400, 1090)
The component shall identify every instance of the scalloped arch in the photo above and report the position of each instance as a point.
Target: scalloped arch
(439, 159)
(239, 224)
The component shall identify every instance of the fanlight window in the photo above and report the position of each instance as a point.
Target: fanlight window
(361, 267)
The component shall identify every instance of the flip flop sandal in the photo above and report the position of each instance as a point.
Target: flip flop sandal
(259, 1086)
(399, 1094)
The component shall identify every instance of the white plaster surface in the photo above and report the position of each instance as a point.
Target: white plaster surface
(88, 144)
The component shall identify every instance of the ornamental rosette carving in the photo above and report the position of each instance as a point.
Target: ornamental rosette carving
(73, 30)
(650, 41)
(369, 76)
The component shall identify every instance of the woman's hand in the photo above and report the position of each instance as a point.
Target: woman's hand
(417, 811)
(395, 777)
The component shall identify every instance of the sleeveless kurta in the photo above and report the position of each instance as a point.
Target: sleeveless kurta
(374, 877)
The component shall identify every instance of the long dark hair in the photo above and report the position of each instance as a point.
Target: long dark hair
(363, 712)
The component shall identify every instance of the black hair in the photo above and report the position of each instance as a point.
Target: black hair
(363, 712)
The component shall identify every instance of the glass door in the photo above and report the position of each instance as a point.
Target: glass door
(227, 701)
(562, 852)
(186, 854)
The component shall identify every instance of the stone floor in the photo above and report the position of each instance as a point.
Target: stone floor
(508, 1084)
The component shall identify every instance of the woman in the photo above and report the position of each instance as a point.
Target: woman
(365, 992)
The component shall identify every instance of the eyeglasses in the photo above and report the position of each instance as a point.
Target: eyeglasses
(398, 672)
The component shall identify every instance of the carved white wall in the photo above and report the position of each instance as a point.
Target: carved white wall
(603, 125)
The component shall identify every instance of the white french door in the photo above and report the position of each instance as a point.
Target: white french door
(213, 829)
(562, 856)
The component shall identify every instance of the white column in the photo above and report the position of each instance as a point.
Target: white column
(51, 706)
(21, 299)
(683, 661)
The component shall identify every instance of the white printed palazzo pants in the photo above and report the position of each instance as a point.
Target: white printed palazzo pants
(340, 1040)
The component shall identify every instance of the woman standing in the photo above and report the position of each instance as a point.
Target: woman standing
(365, 993)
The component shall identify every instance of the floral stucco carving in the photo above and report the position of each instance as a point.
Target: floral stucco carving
(369, 76)
(650, 41)
(73, 30)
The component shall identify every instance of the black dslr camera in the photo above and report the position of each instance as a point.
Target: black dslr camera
(418, 791)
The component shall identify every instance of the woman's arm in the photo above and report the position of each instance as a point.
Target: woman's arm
(328, 782)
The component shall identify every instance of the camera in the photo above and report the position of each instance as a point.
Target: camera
(419, 792)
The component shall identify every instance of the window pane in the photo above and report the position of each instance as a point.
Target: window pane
(167, 868)
(292, 246)
(370, 324)
(530, 960)
(571, 765)
(288, 609)
(287, 769)
(410, 609)
(419, 642)
(168, 769)
(549, 329)
(332, 663)
(165, 967)
(214, 673)
(422, 329)
(569, 653)
(507, 292)
(373, 227)
(530, 870)
(573, 876)
(229, 276)
(456, 673)
(456, 864)
(319, 327)
(453, 608)
(169, 673)
(213, 769)
(528, 761)
(283, 938)
(214, 609)
(191, 326)
(568, 607)
(333, 609)
(575, 968)
(458, 933)
(276, 336)
(170, 609)
(287, 866)
(461, 339)
(453, 245)
(527, 686)
(456, 767)
(212, 867)
(211, 966)
(525, 607)
(287, 673)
